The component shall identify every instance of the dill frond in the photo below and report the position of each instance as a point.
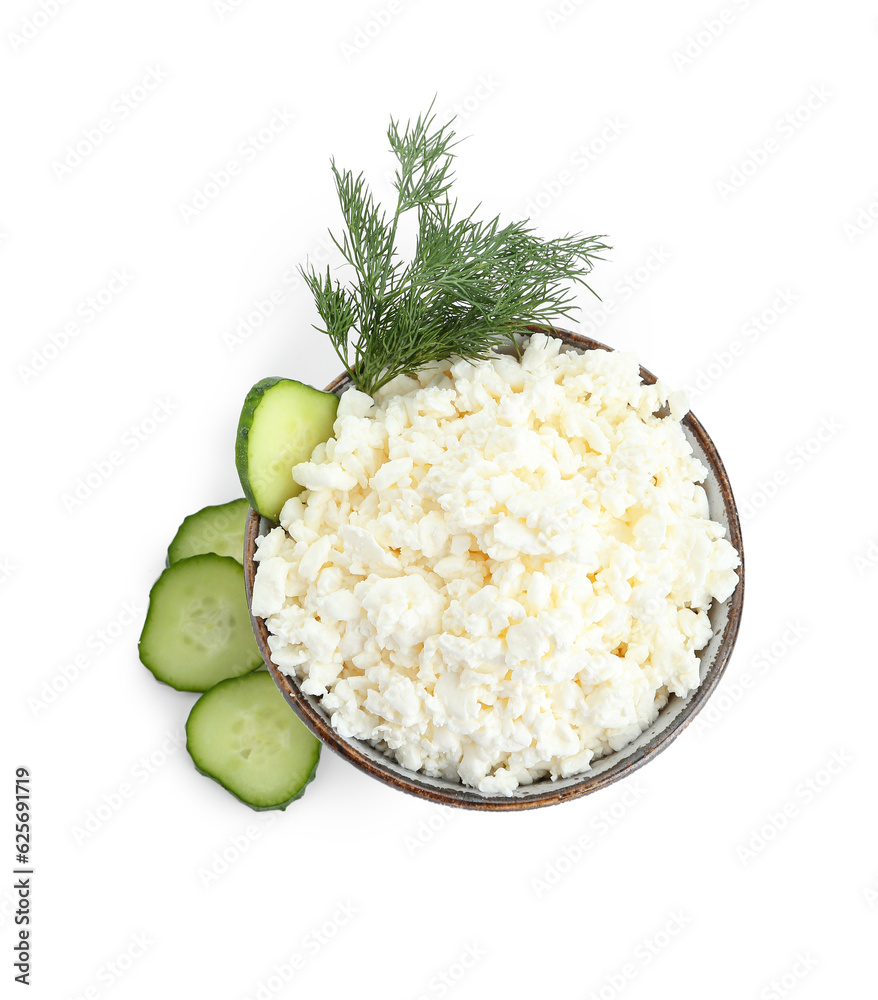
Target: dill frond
(469, 287)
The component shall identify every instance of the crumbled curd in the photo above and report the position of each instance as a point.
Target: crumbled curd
(498, 571)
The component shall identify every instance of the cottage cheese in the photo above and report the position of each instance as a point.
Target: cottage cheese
(498, 571)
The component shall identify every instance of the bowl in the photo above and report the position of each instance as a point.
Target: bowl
(725, 619)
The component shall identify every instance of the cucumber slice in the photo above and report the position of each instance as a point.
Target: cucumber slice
(281, 424)
(218, 529)
(197, 630)
(244, 735)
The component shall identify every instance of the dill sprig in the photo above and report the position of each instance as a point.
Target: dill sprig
(469, 287)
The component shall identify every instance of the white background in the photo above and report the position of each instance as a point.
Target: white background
(744, 855)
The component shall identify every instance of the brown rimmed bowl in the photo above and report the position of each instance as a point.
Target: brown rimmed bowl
(671, 721)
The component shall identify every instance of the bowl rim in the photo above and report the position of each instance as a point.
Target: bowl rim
(464, 796)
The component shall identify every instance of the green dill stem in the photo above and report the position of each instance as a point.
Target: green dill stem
(469, 287)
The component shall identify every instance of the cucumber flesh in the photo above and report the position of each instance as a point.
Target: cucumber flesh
(197, 630)
(281, 424)
(218, 529)
(244, 735)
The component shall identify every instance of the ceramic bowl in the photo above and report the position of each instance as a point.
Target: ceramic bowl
(671, 721)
